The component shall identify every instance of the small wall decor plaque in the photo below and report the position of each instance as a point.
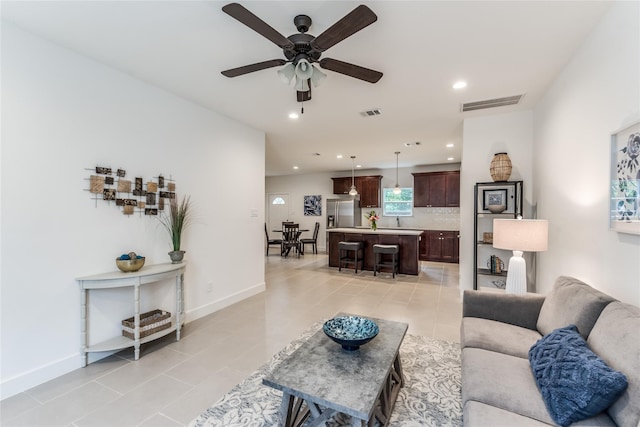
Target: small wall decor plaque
(96, 184)
(108, 194)
(152, 187)
(103, 171)
(121, 173)
(124, 186)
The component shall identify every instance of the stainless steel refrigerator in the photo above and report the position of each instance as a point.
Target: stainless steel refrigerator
(343, 212)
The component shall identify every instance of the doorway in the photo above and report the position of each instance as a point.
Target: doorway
(277, 210)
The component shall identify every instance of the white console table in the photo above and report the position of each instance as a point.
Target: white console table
(117, 279)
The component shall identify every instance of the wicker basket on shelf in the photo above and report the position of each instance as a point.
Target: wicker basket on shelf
(150, 323)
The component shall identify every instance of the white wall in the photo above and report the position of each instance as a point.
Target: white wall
(595, 95)
(63, 113)
(483, 137)
(300, 185)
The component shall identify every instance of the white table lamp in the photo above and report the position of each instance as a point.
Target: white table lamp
(519, 235)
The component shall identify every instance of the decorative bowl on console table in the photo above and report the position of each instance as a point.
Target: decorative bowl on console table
(350, 331)
(130, 262)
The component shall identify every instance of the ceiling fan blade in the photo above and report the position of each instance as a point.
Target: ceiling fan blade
(350, 24)
(235, 72)
(243, 15)
(351, 70)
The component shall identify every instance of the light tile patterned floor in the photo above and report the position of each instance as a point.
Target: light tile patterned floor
(175, 381)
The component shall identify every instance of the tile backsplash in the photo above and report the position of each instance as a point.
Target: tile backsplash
(425, 218)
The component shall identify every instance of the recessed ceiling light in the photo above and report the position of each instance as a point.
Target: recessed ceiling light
(293, 115)
(358, 166)
(339, 156)
(460, 84)
(296, 167)
(449, 145)
(450, 158)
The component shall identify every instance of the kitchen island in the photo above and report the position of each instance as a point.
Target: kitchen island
(407, 240)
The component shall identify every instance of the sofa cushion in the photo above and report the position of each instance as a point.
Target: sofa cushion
(616, 339)
(497, 336)
(503, 381)
(574, 382)
(519, 310)
(483, 415)
(571, 302)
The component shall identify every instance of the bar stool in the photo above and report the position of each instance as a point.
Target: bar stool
(379, 251)
(344, 249)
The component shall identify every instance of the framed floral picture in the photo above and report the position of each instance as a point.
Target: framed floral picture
(624, 210)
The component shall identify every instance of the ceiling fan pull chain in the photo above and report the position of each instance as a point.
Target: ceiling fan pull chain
(302, 109)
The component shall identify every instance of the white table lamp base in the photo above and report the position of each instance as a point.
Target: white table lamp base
(517, 274)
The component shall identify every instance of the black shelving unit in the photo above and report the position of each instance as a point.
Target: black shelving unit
(486, 193)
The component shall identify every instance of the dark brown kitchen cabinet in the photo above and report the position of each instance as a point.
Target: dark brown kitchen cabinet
(341, 185)
(368, 188)
(436, 189)
(440, 246)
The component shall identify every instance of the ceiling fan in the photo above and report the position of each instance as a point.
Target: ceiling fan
(301, 50)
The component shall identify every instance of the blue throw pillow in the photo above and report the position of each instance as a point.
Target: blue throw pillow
(575, 383)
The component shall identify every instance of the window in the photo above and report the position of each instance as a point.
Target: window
(397, 204)
(278, 201)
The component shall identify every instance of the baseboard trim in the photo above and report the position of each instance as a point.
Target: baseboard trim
(221, 303)
(25, 381)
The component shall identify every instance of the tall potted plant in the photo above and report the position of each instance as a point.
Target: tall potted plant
(175, 222)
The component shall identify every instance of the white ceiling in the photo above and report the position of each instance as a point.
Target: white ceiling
(500, 48)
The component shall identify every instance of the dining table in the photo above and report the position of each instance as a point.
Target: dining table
(285, 253)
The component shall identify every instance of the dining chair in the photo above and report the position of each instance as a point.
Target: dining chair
(271, 242)
(290, 239)
(313, 241)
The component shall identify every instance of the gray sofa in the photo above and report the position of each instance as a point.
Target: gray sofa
(497, 331)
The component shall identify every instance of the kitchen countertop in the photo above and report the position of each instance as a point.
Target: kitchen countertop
(391, 231)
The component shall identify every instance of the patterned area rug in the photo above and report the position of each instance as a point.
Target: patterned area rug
(431, 395)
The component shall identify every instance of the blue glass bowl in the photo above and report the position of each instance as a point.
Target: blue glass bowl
(351, 331)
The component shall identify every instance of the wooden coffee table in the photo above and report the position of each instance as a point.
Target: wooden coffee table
(320, 378)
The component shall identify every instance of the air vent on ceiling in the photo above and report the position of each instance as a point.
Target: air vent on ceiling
(491, 103)
(371, 113)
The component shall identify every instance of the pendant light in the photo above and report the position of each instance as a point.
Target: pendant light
(353, 191)
(397, 189)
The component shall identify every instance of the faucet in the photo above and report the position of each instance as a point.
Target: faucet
(398, 221)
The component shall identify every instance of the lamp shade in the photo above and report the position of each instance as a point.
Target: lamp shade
(304, 70)
(526, 235)
(286, 73)
(317, 77)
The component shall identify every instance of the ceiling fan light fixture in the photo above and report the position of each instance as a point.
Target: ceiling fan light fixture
(304, 70)
(302, 85)
(287, 73)
(317, 77)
